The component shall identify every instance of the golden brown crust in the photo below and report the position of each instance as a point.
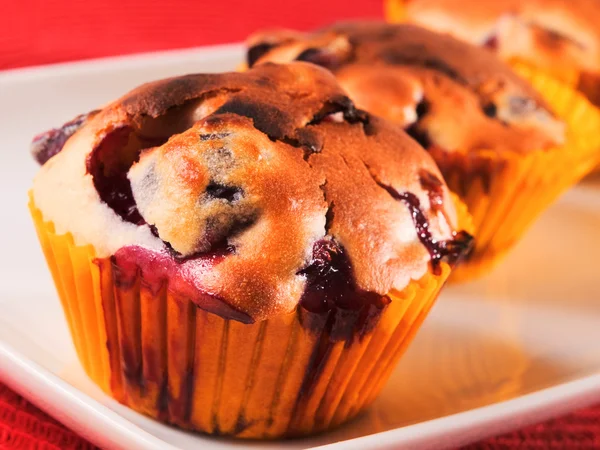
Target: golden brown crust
(559, 35)
(460, 96)
(242, 174)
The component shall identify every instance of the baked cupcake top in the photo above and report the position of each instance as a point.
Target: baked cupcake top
(554, 34)
(445, 92)
(250, 192)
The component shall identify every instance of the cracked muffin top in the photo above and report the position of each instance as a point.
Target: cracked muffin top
(559, 35)
(444, 92)
(250, 192)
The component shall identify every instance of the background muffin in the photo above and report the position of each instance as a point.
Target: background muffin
(558, 36)
(242, 254)
(507, 151)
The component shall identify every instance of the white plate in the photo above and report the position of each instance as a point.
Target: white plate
(514, 348)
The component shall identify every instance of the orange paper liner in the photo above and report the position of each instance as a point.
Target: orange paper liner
(163, 356)
(395, 11)
(464, 220)
(506, 192)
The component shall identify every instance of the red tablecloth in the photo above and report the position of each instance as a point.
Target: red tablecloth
(24, 427)
(45, 31)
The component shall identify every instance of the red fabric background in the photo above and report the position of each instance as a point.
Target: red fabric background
(46, 31)
(24, 427)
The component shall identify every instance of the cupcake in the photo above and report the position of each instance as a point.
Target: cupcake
(504, 148)
(560, 37)
(242, 254)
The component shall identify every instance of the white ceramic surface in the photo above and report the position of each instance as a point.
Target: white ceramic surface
(516, 347)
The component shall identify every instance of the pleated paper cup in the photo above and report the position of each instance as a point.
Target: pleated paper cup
(395, 11)
(506, 192)
(163, 356)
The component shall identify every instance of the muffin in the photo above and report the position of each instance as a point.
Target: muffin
(560, 37)
(504, 148)
(242, 254)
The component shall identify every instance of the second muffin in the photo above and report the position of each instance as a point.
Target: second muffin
(507, 150)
